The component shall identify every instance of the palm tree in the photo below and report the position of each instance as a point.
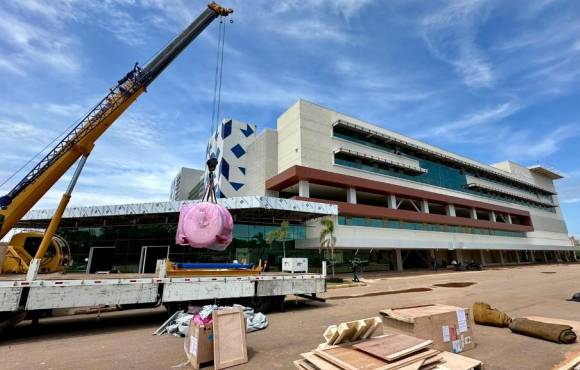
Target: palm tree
(280, 235)
(327, 238)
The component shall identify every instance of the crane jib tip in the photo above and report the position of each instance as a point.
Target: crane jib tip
(220, 10)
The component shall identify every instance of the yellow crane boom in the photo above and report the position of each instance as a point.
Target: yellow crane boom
(80, 140)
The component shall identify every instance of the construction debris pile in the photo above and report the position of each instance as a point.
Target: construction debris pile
(386, 352)
(178, 324)
(417, 337)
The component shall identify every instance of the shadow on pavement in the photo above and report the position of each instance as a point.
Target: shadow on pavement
(82, 325)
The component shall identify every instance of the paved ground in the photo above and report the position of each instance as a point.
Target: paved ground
(124, 341)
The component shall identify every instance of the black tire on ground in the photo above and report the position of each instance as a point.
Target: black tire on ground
(261, 304)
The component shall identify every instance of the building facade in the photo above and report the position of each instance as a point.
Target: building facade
(397, 203)
(184, 182)
(132, 237)
(229, 145)
(402, 202)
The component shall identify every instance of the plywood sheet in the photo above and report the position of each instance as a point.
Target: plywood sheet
(409, 313)
(348, 358)
(303, 365)
(319, 362)
(457, 362)
(229, 329)
(392, 347)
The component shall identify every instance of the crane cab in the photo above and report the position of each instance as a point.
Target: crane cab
(22, 248)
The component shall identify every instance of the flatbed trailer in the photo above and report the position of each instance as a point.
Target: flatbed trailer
(22, 298)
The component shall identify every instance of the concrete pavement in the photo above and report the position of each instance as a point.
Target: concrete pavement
(124, 340)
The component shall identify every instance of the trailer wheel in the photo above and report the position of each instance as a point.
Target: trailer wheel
(261, 304)
(9, 319)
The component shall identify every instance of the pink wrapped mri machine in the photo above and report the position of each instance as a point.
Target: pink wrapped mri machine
(205, 225)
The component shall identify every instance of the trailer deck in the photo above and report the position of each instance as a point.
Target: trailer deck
(54, 291)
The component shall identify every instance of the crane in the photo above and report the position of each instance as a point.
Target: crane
(76, 146)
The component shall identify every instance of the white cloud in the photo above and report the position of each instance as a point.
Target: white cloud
(450, 35)
(536, 146)
(464, 127)
(311, 29)
(26, 44)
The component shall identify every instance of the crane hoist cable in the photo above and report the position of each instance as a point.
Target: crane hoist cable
(218, 75)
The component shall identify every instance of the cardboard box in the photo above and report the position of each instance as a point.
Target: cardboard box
(449, 327)
(198, 344)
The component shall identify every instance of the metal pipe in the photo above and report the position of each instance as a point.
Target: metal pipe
(55, 221)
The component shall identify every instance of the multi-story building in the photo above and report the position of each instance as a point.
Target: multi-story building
(229, 145)
(403, 202)
(183, 183)
(397, 203)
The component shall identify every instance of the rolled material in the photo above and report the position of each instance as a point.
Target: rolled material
(483, 314)
(553, 332)
(205, 225)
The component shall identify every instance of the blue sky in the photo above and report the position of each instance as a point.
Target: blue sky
(492, 80)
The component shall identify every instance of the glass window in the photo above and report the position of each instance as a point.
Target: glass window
(439, 173)
(375, 222)
(241, 231)
(394, 224)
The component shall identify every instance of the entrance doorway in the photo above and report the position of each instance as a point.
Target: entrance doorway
(100, 259)
(416, 259)
(149, 257)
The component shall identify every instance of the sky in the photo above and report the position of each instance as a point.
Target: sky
(490, 80)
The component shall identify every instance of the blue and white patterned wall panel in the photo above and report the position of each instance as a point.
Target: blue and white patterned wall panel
(229, 144)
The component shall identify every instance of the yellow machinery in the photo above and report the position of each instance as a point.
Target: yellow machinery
(77, 145)
(22, 248)
(176, 269)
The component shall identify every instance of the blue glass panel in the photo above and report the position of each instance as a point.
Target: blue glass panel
(238, 150)
(225, 169)
(227, 129)
(248, 131)
(236, 185)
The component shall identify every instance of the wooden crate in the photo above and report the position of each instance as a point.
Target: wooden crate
(449, 327)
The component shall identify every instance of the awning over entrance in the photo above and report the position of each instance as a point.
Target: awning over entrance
(252, 209)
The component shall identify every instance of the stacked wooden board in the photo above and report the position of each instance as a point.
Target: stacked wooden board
(386, 352)
(353, 330)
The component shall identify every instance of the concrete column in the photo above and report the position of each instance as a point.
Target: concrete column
(501, 257)
(508, 218)
(399, 258)
(473, 213)
(518, 257)
(459, 255)
(351, 195)
(450, 209)
(304, 189)
(492, 217)
(545, 257)
(392, 201)
(424, 206)
(482, 257)
(532, 257)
